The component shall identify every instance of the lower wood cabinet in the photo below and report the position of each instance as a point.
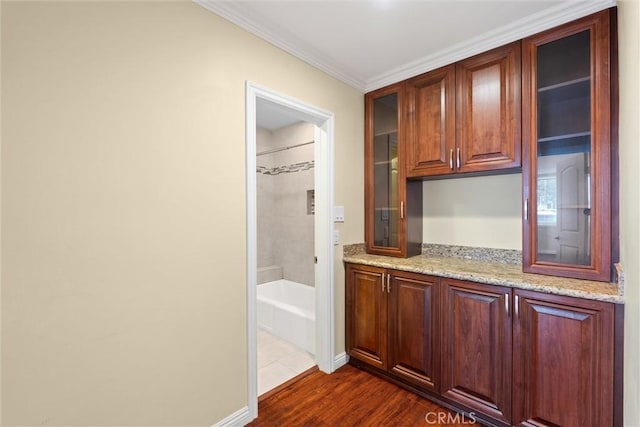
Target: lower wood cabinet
(414, 351)
(392, 323)
(508, 356)
(366, 321)
(564, 361)
(476, 346)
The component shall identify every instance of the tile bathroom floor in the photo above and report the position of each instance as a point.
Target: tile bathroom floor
(279, 361)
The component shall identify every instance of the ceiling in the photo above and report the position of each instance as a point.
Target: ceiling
(369, 44)
(272, 116)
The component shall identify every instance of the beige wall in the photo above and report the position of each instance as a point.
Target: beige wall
(478, 211)
(123, 208)
(629, 50)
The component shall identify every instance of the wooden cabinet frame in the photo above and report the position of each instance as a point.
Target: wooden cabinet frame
(600, 214)
(459, 123)
(488, 130)
(431, 140)
(393, 323)
(366, 320)
(573, 340)
(413, 314)
(409, 193)
(476, 337)
(510, 356)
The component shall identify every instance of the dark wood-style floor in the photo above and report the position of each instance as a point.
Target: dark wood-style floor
(350, 397)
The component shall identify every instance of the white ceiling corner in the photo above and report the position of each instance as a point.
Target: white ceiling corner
(360, 74)
(239, 14)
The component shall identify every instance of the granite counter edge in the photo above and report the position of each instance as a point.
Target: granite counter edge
(617, 299)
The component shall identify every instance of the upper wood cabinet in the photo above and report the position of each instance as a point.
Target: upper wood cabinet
(567, 150)
(432, 123)
(466, 117)
(488, 110)
(393, 206)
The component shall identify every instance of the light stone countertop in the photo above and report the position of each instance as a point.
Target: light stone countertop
(493, 273)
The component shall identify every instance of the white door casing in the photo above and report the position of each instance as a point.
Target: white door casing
(324, 277)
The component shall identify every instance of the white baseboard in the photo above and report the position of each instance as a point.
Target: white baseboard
(340, 360)
(237, 419)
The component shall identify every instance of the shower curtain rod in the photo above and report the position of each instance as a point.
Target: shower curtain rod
(275, 150)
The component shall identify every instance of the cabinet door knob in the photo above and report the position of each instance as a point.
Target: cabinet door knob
(458, 158)
(451, 159)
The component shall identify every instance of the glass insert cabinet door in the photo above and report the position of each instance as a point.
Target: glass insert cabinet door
(385, 171)
(567, 144)
(384, 177)
(563, 202)
(385, 194)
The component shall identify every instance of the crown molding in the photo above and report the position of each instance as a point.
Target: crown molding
(514, 31)
(234, 12)
(549, 18)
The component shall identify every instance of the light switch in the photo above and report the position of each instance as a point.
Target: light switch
(338, 214)
(336, 237)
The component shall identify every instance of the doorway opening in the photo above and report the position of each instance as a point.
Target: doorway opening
(286, 267)
(293, 123)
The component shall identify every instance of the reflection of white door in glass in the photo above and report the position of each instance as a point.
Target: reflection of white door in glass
(573, 210)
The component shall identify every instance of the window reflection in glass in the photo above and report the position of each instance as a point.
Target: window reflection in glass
(547, 200)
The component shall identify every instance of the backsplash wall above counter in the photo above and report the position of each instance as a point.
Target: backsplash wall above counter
(483, 211)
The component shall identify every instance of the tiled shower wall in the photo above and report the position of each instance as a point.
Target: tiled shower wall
(285, 230)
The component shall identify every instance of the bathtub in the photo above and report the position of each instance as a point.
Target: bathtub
(286, 309)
